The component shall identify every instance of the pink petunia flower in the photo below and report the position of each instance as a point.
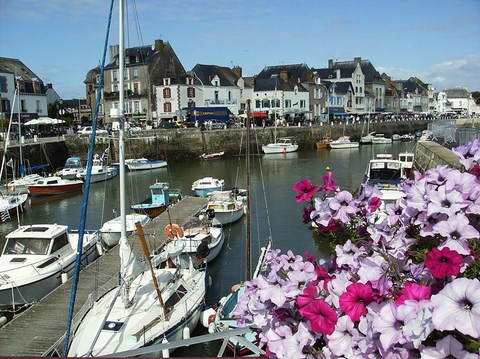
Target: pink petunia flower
(444, 262)
(307, 296)
(355, 300)
(305, 190)
(321, 316)
(413, 291)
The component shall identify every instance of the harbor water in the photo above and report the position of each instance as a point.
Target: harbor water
(274, 211)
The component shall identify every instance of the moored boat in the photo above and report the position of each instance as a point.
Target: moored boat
(161, 196)
(380, 139)
(100, 171)
(142, 164)
(203, 186)
(212, 156)
(111, 230)
(367, 139)
(72, 168)
(54, 185)
(282, 145)
(34, 259)
(343, 142)
(229, 206)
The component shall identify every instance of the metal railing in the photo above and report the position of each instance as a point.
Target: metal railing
(448, 132)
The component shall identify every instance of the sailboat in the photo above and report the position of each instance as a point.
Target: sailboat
(149, 306)
(223, 314)
(282, 144)
(12, 201)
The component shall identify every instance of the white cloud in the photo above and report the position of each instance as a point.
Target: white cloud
(461, 71)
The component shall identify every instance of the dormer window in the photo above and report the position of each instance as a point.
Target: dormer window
(217, 83)
(166, 82)
(189, 81)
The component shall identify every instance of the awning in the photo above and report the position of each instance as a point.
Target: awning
(259, 115)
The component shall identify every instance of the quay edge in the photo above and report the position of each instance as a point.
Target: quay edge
(183, 144)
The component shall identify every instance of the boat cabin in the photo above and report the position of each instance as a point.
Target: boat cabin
(160, 193)
(73, 163)
(385, 173)
(36, 240)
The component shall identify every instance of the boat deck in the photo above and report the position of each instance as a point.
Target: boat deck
(38, 330)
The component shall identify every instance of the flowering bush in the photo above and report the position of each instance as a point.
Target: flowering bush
(402, 283)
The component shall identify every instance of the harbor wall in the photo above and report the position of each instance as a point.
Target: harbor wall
(188, 143)
(429, 154)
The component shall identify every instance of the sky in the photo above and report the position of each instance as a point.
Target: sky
(435, 41)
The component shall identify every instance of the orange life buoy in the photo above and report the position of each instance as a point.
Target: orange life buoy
(173, 230)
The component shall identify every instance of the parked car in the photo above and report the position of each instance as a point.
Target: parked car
(87, 130)
(215, 125)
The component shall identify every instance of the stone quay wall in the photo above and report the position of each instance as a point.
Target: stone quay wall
(188, 143)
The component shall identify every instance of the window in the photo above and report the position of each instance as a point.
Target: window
(216, 83)
(302, 103)
(37, 103)
(135, 73)
(288, 103)
(136, 87)
(258, 104)
(115, 88)
(189, 81)
(115, 75)
(216, 97)
(190, 91)
(23, 105)
(266, 103)
(167, 93)
(136, 106)
(59, 242)
(166, 82)
(167, 107)
(3, 84)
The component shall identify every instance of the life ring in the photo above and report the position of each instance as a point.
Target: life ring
(173, 230)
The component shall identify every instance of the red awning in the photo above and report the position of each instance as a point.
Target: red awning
(259, 114)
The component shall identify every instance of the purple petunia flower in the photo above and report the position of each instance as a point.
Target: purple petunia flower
(457, 230)
(448, 347)
(457, 306)
(343, 205)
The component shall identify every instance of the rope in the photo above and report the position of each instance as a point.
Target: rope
(83, 217)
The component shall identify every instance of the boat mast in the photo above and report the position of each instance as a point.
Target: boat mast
(247, 152)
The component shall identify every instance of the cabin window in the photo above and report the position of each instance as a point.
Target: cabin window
(27, 246)
(60, 242)
(175, 297)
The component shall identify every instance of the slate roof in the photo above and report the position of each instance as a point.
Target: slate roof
(457, 93)
(340, 87)
(348, 67)
(271, 83)
(295, 71)
(144, 54)
(205, 73)
(18, 68)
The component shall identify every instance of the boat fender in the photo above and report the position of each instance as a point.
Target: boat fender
(3, 321)
(165, 352)
(205, 317)
(235, 287)
(211, 328)
(64, 277)
(11, 189)
(173, 230)
(186, 333)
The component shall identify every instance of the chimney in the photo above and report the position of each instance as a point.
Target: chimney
(330, 63)
(237, 70)
(158, 45)
(114, 49)
(284, 75)
(357, 61)
(337, 72)
(50, 86)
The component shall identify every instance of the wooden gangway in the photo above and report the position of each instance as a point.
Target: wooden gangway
(38, 330)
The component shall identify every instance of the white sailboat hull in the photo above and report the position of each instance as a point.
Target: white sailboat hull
(278, 148)
(140, 325)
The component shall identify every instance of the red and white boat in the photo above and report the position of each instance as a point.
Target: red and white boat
(54, 185)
